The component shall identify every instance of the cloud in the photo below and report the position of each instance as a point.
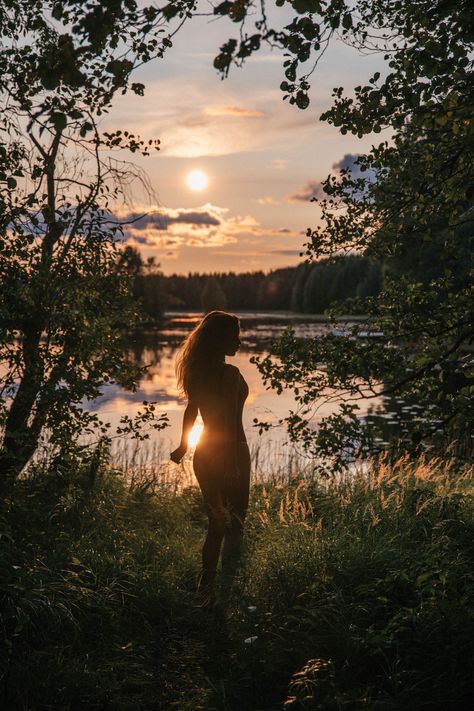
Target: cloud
(311, 189)
(268, 200)
(206, 226)
(161, 218)
(203, 122)
(233, 111)
(348, 162)
(314, 189)
(168, 228)
(285, 252)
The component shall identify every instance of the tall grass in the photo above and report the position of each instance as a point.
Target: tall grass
(364, 591)
(148, 462)
(356, 593)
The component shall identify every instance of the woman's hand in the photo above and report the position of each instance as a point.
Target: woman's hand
(177, 455)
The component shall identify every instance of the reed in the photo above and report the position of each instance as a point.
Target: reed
(148, 461)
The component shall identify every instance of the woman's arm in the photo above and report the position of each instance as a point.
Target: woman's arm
(189, 418)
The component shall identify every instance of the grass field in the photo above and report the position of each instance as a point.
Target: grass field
(354, 593)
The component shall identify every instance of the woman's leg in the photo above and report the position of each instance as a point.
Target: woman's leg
(213, 496)
(212, 545)
(237, 499)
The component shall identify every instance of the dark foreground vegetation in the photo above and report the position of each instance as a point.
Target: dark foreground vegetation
(350, 595)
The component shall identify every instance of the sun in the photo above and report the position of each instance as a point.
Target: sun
(196, 180)
(195, 434)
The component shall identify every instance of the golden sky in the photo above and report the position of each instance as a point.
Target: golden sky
(259, 159)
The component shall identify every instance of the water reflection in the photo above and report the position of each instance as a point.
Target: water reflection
(157, 351)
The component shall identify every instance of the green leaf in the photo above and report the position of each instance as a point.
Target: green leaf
(302, 100)
(59, 120)
(347, 21)
(85, 128)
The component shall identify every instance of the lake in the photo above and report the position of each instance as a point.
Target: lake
(157, 350)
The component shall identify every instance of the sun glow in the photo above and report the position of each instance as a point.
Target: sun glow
(195, 434)
(196, 180)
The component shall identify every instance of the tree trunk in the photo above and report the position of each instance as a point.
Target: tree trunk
(20, 439)
(22, 428)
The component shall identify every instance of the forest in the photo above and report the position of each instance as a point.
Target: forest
(308, 288)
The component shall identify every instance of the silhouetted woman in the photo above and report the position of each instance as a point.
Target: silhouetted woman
(221, 461)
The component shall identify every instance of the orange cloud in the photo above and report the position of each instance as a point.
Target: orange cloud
(233, 111)
(311, 189)
(205, 226)
(268, 200)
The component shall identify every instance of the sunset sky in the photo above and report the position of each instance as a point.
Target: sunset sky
(261, 157)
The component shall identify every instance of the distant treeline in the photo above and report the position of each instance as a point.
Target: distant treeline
(308, 288)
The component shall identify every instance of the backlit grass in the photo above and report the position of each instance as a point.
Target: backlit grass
(351, 593)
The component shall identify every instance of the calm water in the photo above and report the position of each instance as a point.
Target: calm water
(158, 350)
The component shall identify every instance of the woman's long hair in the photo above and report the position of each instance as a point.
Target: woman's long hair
(199, 353)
